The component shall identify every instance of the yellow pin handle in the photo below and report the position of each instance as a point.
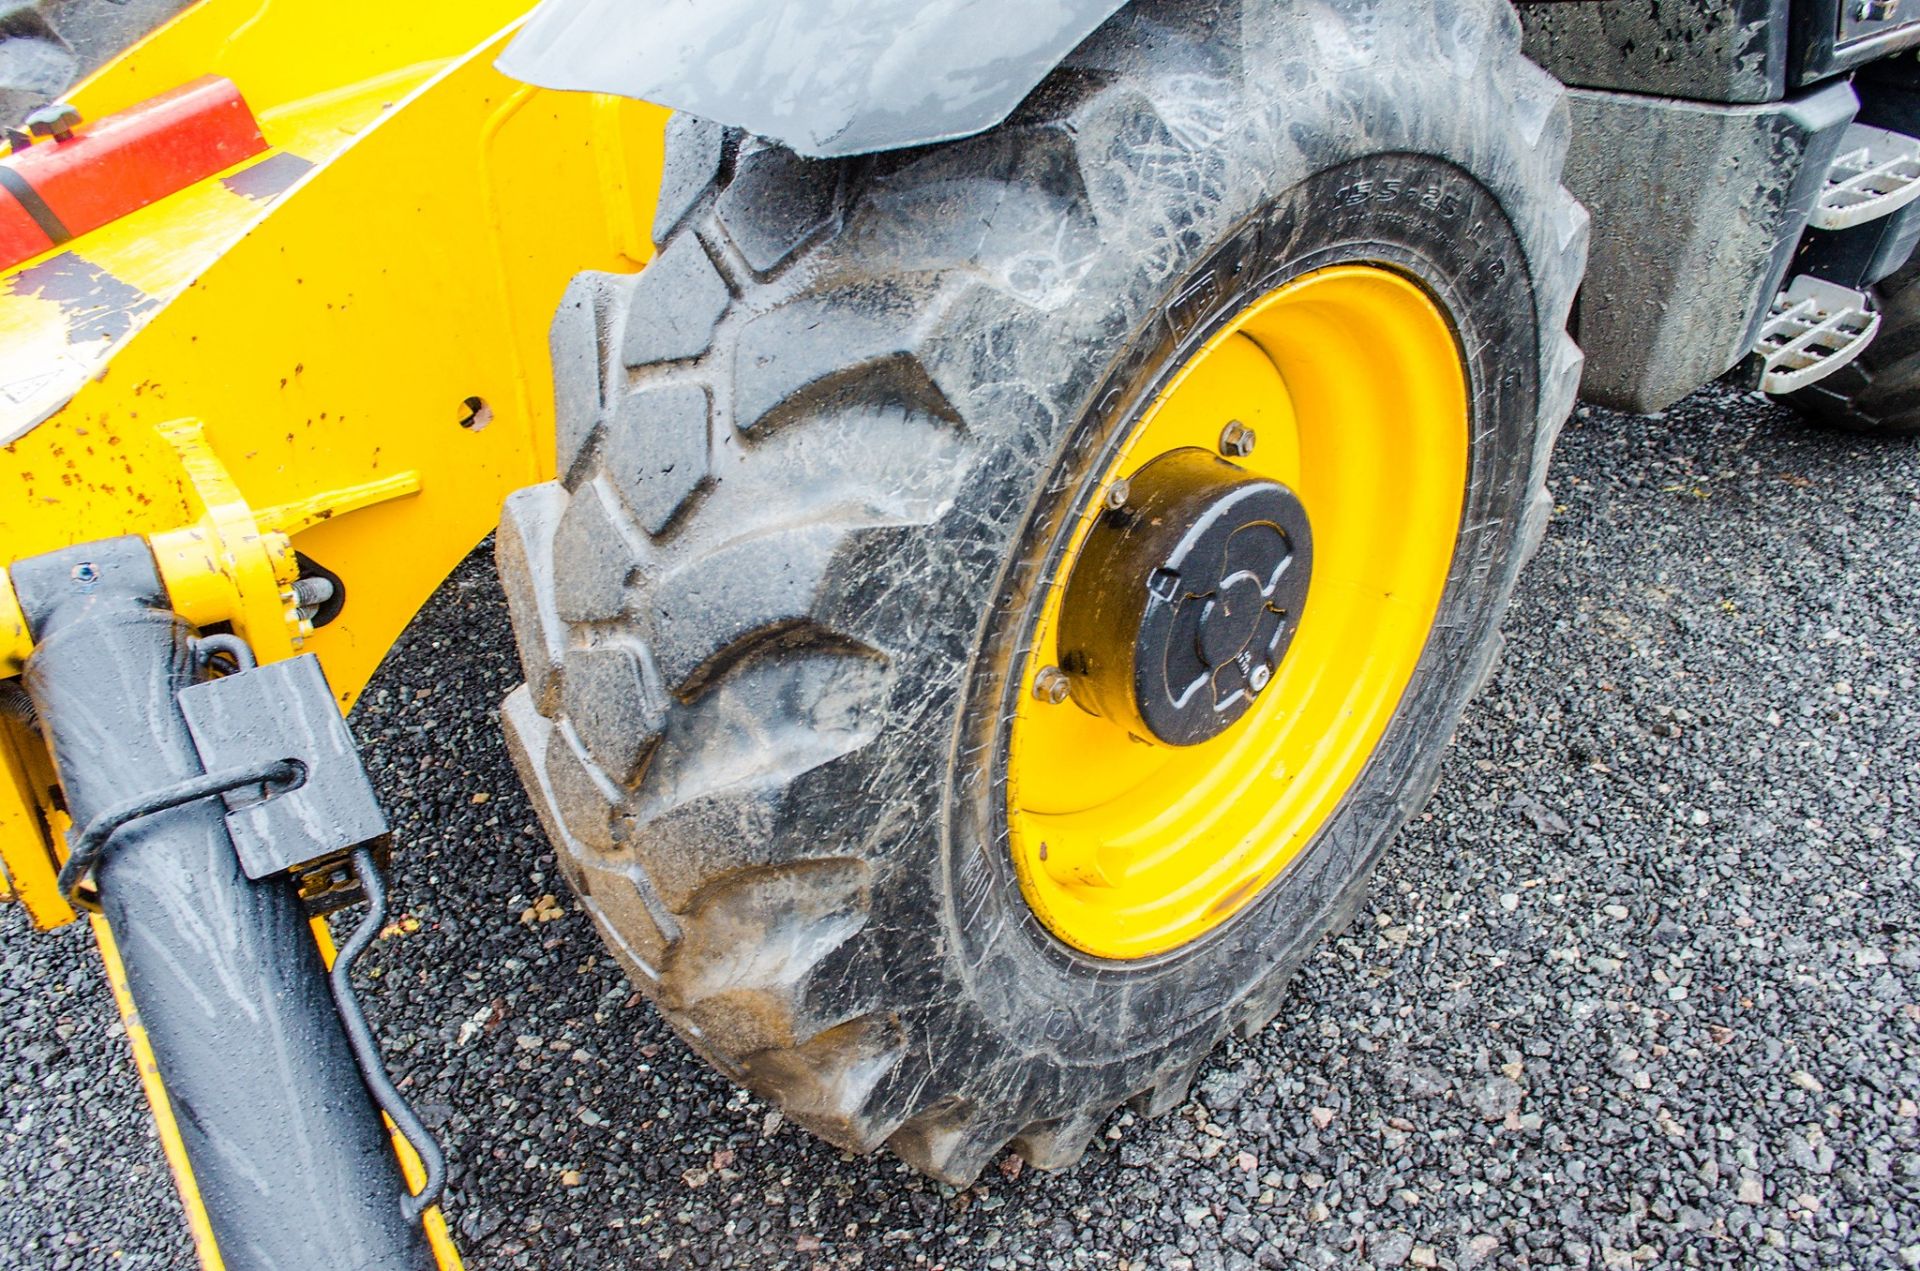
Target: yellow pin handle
(291, 518)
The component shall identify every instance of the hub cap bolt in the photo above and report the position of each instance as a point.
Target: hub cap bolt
(1118, 493)
(1051, 685)
(1258, 677)
(1236, 442)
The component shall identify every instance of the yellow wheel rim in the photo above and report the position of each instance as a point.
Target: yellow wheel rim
(1353, 383)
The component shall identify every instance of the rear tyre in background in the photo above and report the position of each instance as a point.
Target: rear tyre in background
(46, 46)
(36, 64)
(1878, 393)
(830, 469)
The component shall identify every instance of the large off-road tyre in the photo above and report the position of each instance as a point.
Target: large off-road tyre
(1878, 393)
(819, 464)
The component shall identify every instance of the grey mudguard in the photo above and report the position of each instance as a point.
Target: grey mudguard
(827, 78)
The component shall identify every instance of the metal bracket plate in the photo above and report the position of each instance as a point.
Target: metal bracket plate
(286, 710)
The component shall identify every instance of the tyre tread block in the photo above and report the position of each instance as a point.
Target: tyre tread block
(611, 700)
(584, 349)
(776, 203)
(753, 940)
(658, 454)
(523, 558)
(714, 785)
(593, 558)
(674, 306)
(820, 352)
(828, 1084)
(956, 1142)
(696, 149)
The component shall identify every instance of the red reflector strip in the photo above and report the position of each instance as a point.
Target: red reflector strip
(121, 163)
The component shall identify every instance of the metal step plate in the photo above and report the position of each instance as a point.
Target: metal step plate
(1814, 328)
(1876, 174)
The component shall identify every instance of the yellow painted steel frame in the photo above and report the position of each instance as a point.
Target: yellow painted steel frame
(285, 358)
(282, 358)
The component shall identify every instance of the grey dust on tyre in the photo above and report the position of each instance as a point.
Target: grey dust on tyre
(953, 731)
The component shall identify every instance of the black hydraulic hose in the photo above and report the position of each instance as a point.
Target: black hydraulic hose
(94, 840)
(366, 1051)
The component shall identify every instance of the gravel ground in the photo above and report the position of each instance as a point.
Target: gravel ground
(1641, 987)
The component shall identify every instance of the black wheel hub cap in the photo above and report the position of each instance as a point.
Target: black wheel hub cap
(1185, 598)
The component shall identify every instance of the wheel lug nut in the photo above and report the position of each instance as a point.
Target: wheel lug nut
(1258, 677)
(1236, 442)
(1051, 685)
(1118, 493)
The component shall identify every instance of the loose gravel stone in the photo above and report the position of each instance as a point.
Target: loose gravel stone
(1391, 1249)
(1494, 1099)
(1641, 987)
